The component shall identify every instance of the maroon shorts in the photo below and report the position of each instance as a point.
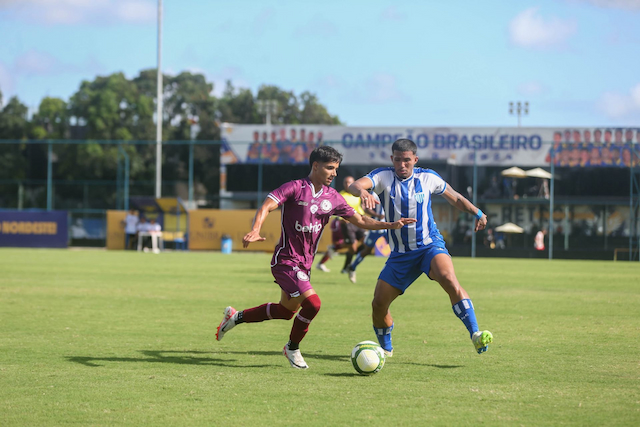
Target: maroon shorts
(293, 280)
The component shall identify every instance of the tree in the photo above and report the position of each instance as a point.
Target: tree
(51, 121)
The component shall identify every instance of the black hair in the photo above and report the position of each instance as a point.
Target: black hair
(404, 144)
(324, 154)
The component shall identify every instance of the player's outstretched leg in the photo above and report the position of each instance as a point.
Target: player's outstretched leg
(268, 311)
(228, 322)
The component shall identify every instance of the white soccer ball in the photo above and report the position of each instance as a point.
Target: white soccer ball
(367, 357)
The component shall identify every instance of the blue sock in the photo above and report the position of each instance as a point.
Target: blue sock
(384, 337)
(464, 311)
(356, 261)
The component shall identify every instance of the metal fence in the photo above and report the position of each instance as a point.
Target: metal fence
(88, 177)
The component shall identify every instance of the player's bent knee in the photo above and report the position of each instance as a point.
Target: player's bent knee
(312, 303)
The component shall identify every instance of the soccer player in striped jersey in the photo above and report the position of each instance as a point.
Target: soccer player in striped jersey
(405, 191)
(307, 205)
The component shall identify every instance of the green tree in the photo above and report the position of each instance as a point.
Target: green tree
(51, 121)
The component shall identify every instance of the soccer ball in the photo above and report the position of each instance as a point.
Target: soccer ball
(367, 357)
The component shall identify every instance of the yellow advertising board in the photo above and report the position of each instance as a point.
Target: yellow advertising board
(115, 229)
(207, 226)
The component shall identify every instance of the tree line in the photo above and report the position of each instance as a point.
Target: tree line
(116, 108)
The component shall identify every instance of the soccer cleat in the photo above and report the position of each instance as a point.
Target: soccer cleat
(323, 267)
(228, 322)
(294, 357)
(481, 340)
(387, 353)
(344, 271)
(352, 275)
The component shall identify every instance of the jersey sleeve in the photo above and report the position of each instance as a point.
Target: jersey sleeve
(380, 179)
(283, 193)
(436, 184)
(342, 208)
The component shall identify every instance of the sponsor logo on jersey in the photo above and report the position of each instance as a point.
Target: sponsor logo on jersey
(313, 209)
(311, 228)
(326, 205)
(301, 203)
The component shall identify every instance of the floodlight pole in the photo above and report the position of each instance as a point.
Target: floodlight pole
(520, 108)
(159, 105)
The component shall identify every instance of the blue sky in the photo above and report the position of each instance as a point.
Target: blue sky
(374, 62)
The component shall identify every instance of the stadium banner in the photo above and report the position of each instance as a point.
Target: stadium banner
(34, 229)
(207, 226)
(115, 229)
(495, 146)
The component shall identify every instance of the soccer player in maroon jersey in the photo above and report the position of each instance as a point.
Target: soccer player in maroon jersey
(307, 206)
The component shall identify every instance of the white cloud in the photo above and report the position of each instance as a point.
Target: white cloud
(530, 30)
(70, 12)
(620, 106)
(531, 88)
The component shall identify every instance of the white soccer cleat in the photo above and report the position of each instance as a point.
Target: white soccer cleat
(352, 276)
(387, 353)
(323, 267)
(294, 357)
(228, 322)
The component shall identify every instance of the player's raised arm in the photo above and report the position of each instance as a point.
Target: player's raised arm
(459, 201)
(372, 224)
(261, 214)
(360, 188)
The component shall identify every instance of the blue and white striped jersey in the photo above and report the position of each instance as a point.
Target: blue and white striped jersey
(409, 198)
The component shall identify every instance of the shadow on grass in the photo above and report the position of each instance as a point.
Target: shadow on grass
(305, 355)
(194, 358)
(432, 365)
(345, 374)
(166, 356)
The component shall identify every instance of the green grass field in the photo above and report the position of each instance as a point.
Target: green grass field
(114, 338)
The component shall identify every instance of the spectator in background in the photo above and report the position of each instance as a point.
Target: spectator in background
(618, 137)
(584, 156)
(616, 159)
(294, 137)
(594, 156)
(130, 229)
(577, 138)
(597, 136)
(587, 136)
(567, 135)
(538, 241)
(607, 137)
(628, 136)
(143, 227)
(607, 155)
(493, 192)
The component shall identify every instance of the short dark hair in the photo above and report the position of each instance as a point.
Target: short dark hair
(325, 154)
(404, 144)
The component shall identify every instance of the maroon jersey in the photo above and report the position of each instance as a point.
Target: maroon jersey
(305, 213)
